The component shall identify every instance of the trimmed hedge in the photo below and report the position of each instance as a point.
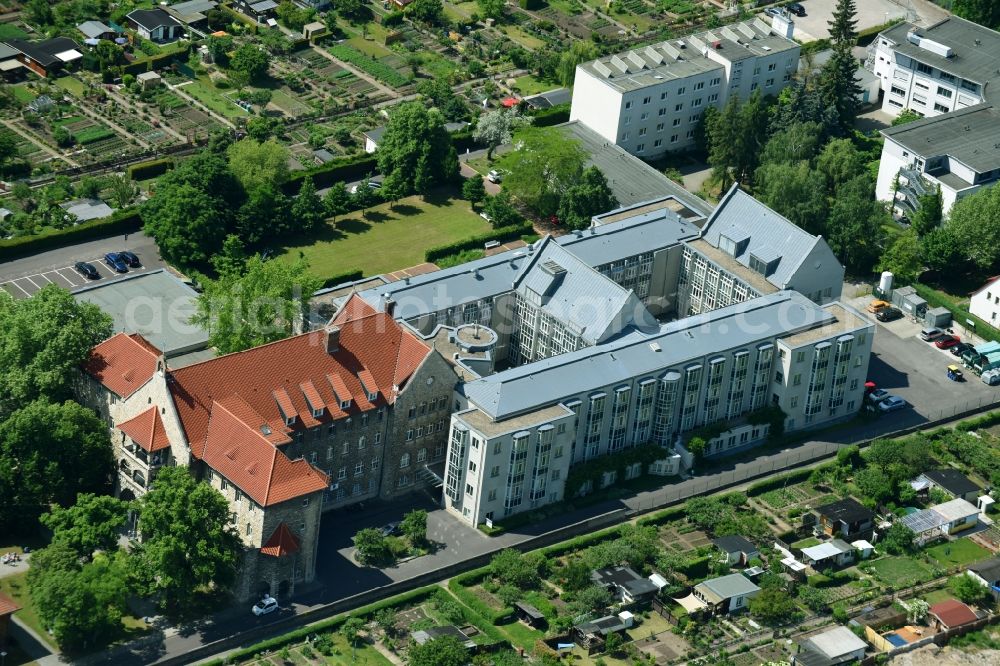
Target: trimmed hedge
(503, 234)
(581, 542)
(150, 169)
(696, 568)
(663, 517)
(347, 276)
(155, 62)
(554, 115)
(341, 169)
(982, 328)
(121, 222)
(460, 585)
(984, 421)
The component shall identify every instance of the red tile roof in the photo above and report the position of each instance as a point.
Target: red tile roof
(281, 543)
(953, 613)
(147, 430)
(7, 605)
(123, 363)
(369, 340)
(246, 457)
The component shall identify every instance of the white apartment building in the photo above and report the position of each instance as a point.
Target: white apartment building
(958, 152)
(945, 67)
(649, 100)
(985, 302)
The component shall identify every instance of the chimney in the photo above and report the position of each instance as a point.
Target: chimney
(389, 306)
(332, 339)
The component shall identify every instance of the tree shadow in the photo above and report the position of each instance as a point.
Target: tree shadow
(353, 225)
(377, 216)
(406, 210)
(438, 197)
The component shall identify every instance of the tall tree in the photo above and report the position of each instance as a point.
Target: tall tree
(415, 133)
(795, 191)
(545, 164)
(426, 11)
(974, 222)
(492, 9)
(308, 210)
(263, 303)
(49, 453)
(443, 651)
(983, 12)
(837, 81)
(266, 213)
(497, 128)
(903, 258)
(337, 200)
(736, 137)
(250, 60)
(93, 523)
(81, 604)
(256, 164)
(839, 162)
(855, 225)
(929, 212)
(43, 340)
(188, 539)
(589, 197)
(799, 141)
(578, 52)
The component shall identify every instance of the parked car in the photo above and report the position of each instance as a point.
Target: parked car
(960, 348)
(115, 262)
(947, 341)
(390, 529)
(87, 270)
(955, 374)
(130, 259)
(889, 314)
(931, 334)
(372, 185)
(494, 176)
(773, 11)
(266, 605)
(991, 377)
(877, 305)
(891, 404)
(878, 395)
(797, 9)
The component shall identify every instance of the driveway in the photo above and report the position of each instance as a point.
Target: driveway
(815, 24)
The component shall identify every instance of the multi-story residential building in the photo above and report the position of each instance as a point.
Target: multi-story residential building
(942, 68)
(571, 349)
(284, 431)
(957, 152)
(649, 100)
(748, 250)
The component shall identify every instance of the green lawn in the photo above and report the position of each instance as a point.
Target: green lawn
(206, 93)
(11, 31)
(808, 542)
(937, 596)
(957, 553)
(529, 42)
(529, 85)
(22, 94)
(71, 85)
(388, 240)
(900, 572)
(16, 587)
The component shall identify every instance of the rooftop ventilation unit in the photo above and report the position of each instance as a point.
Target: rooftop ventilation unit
(553, 268)
(746, 30)
(602, 69)
(729, 34)
(655, 346)
(653, 55)
(619, 64)
(672, 52)
(636, 60)
(937, 48)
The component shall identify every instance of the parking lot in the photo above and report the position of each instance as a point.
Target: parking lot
(815, 24)
(915, 370)
(23, 277)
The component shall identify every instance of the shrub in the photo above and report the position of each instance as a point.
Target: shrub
(150, 169)
(503, 234)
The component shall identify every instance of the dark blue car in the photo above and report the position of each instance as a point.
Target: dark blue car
(114, 261)
(129, 258)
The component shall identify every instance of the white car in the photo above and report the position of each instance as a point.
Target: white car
(266, 605)
(494, 176)
(891, 404)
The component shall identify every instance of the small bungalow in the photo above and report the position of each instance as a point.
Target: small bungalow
(261, 11)
(597, 630)
(424, 635)
(7, 609)
(155, 25)
(625, 584)
(528, 614)
(148, 80)
(834, 553)
(96, 30)
(846, 519)
(193, 13)
(863, 548)
(738, 550)
(942, 520)
(83, 210)
(987, 573)
(950, 481)
(838, 645)
(726, 594)
(47, 56)
(951, 614)
(315, 30)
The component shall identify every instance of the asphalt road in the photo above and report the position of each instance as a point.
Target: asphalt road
(23, 277)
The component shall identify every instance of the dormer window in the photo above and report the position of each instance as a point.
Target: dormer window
(345, 404)
(317, 413)
(290, 420)
(372, 397)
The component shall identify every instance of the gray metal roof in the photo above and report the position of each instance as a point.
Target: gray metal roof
(7, 51)
(629, 237)
(773, 236)
(733, 585)
(558, 378)
(588, 303)
(835, 643)
(488, 277)
(681, 58)
(970, 135)
(194, 6)
(970, 60)
(93, 29)
(631, 180)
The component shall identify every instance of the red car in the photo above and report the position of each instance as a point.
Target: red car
(946, 341)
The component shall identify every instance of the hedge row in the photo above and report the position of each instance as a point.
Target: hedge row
(663, 517)
(155, 62)
(121, 222)
(984, 421)
(982, 328)
(341, 169)
(776, 482)
(150, 169)
(696, 568)
(330, 624)
(503, 234)
(554, 115)
(581, 542)
(460, 585)
(347, 276)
